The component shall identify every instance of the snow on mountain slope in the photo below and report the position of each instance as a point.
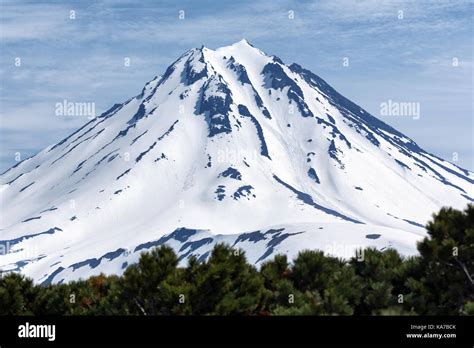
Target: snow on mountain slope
(228, 145)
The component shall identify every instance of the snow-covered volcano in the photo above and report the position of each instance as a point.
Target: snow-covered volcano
(228, 145)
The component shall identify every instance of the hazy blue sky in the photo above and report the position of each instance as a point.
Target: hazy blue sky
(400, 56)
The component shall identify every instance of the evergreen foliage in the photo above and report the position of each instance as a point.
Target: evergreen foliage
(437, 282)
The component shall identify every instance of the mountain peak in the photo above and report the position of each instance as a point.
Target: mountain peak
(243, 46)
(242, 42)
(227, 145)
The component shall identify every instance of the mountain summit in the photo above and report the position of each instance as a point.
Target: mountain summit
(228, 145)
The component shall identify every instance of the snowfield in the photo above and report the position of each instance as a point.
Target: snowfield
(228, 145)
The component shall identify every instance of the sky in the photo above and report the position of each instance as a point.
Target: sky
(372, 52)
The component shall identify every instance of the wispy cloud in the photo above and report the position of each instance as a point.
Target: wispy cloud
(82, 58)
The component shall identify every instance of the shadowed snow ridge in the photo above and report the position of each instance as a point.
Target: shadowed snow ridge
(228, 145)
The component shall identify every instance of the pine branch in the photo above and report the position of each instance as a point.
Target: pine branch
(139, 306)
(463, 267)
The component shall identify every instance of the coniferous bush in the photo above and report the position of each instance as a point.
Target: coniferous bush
(437, 282)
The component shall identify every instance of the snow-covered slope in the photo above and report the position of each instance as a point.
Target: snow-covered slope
(228, 145)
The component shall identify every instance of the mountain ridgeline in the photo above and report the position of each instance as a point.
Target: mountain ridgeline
(227, 146)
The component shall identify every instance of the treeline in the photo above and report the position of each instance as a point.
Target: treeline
(437, 282)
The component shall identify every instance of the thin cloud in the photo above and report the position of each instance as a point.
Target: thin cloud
(82, 59)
